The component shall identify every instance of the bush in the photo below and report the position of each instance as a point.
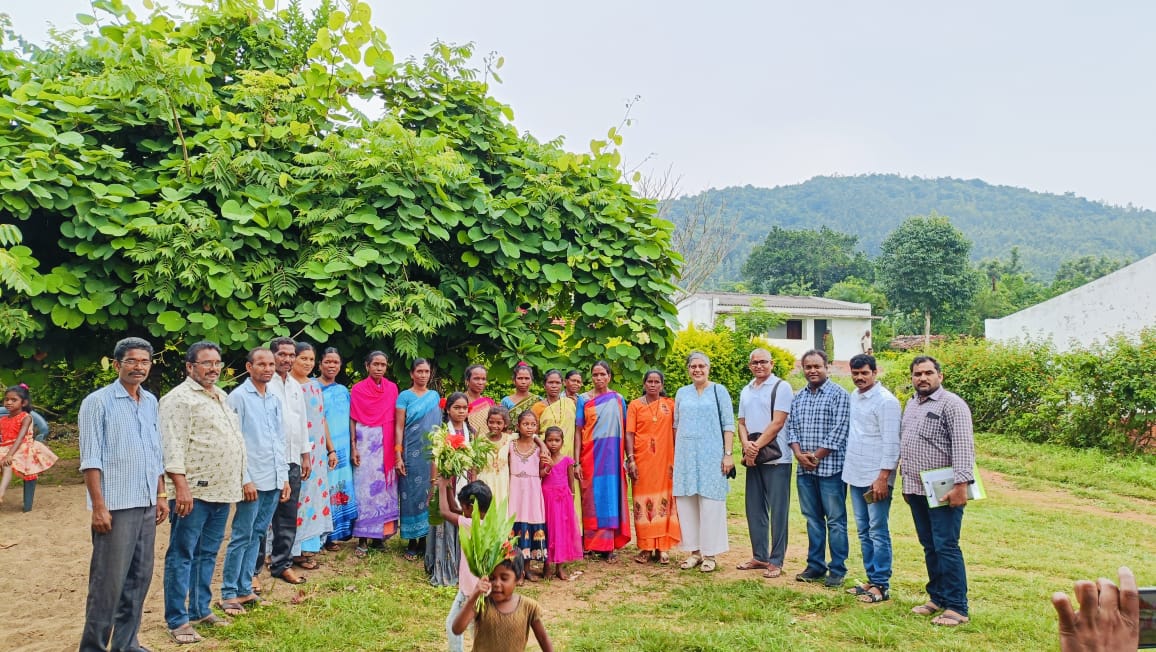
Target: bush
(729, 353)
(1101, 397)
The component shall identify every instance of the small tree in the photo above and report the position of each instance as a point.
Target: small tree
(925, 267)
(792, 259)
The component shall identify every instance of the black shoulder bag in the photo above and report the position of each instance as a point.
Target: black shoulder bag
(771, 451)
(722, 429)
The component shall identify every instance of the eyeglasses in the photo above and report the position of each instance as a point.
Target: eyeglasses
(129, 362)
(755, 362)
(210, 364)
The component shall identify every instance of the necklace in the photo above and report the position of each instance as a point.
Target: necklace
(653, 411)
(518, 449)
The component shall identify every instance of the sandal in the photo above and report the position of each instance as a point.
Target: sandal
(928, 608)
(231, 607)
(690, 562)
(332, 546)
(185, 634)
(950, 618)
(708, 565)
(772, 572)
(212, 620)
(859, 589)
(664, 558)
(305, 562)
(289, 577)
(253, 601)
(752, 564)
(360, 552)
(871, 597)
(642, 557)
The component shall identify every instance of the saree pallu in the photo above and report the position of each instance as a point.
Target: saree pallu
(342, 497)
(479, 412)
(655, 516)
(314, 516)
(516, 409)
(422, 415)
(373, 407)
(562, 413)
(605, 514)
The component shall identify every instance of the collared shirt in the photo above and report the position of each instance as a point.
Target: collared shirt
(293, 416)
(937, 432)
(755, 409)
(203, 442)
(266, 465)
(119, 436)
(820, 419)
(873, 441)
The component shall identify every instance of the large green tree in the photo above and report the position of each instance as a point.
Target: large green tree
(208, 175)
(924, 267)
(804, 261)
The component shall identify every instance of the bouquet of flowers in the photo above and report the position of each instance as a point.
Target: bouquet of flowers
(454, 456)
(489, 541)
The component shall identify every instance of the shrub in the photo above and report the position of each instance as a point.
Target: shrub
(729, 353)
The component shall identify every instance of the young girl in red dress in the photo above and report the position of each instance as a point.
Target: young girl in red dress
(19, 450)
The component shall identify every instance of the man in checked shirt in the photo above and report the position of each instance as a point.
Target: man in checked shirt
(936, 432)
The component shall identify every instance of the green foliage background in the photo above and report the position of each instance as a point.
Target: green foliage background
(209, 175)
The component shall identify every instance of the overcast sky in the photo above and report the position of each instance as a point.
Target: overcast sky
(1049, 95)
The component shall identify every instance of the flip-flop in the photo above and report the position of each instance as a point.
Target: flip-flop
(690, 562)
(185, 634)
(305, 562)
(752, 564)
(928, 608)
(360, 552)
(663, 558)
(708, 565)
(231, 607)
(642, 557)
(950, 619)
(332, 546)
(772, 572)
(254, 601)
(212, 620)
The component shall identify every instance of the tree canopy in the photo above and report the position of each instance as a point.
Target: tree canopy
(925, 267)
(217, 174)
(804, 261)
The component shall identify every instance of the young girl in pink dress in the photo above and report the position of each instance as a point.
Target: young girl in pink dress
(564, 541)
(526, 465)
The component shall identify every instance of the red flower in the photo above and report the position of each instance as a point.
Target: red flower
(456, 441)
(442, 403)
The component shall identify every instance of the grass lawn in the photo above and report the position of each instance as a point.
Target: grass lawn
(1053, 516)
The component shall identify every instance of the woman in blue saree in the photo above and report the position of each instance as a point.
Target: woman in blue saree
(418, 413)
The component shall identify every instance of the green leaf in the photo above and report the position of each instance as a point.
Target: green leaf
(171, 320)
(558, 272)
(70, 138)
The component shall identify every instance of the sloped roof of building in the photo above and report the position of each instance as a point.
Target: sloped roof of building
(725, 302)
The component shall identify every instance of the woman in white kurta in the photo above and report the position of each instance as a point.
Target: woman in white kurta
(704, 425)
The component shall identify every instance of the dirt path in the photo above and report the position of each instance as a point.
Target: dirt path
(46, 554)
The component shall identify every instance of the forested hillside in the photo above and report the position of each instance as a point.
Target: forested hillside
(1047, 228)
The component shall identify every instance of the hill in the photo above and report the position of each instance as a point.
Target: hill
(1047, 228)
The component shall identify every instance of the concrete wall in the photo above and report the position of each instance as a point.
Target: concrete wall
(1121, 302)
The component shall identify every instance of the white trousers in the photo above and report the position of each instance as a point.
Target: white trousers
(704, 525)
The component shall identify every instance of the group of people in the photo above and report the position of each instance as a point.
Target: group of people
(303, 464)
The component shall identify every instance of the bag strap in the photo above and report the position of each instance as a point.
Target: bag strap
(718, 410)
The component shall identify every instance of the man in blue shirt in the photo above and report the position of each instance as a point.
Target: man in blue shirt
(265, 478)
(120, 456)
(817, 433)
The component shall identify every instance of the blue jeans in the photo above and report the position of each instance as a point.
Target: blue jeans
(874, 535)
(194, 541)
(249, 522)
(823, 502)
(938, 531)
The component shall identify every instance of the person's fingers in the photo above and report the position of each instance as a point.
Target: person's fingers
(1129, 594)
(1065, 613)
(1109, 597)
(1087, 594)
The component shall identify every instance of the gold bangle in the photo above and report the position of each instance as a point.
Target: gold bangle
(162, 495)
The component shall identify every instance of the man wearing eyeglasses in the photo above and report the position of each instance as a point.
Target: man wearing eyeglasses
(120, 456)
(204, 453)
(764, 405)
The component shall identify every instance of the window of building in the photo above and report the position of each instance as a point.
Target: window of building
(794, 329)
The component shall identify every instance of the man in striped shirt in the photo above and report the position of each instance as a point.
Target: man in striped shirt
(937, 433)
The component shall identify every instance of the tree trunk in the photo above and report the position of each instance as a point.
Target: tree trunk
(926, 329)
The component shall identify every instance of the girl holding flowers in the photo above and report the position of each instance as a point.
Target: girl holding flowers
(442, 551)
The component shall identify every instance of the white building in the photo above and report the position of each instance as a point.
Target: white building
(1123, 302)
(808, 318)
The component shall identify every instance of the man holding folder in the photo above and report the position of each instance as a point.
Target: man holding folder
(937, 433)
